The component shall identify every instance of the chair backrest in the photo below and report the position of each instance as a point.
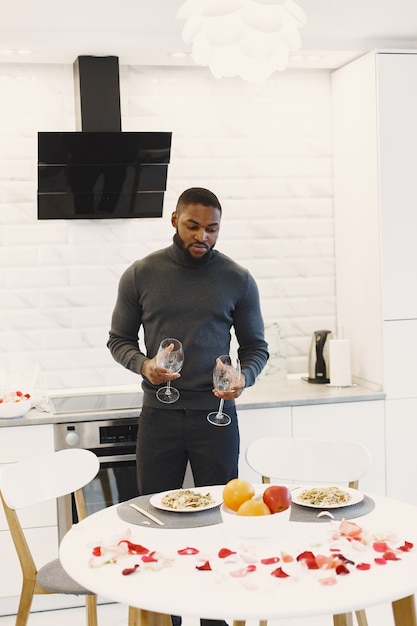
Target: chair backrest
(46, 477)
(308, 460)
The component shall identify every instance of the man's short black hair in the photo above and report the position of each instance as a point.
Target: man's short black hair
(198, 195)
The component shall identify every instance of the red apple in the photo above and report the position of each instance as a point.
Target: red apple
(277, 498)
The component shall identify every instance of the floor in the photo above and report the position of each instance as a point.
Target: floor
(116, 615)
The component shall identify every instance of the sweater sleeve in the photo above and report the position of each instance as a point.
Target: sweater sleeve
(249, 329)
(126, 320)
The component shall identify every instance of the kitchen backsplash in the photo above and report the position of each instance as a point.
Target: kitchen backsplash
(266, 151)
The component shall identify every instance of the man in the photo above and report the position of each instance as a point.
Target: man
(196, 294)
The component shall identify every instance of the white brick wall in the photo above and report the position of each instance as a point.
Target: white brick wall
(264, 150)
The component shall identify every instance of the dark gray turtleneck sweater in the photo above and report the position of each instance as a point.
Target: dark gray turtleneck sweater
(170, 295)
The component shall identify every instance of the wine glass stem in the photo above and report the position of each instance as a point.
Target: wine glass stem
(168, 389)
(220, 411)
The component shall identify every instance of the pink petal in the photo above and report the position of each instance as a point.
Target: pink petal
(186, 551)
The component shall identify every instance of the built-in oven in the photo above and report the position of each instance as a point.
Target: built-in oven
(114, 442)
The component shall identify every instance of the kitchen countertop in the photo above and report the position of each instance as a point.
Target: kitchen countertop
(266, 393)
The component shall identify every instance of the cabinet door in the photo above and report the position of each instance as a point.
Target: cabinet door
(401, 436)
(357, 421)
(397, 106)
(257, 423)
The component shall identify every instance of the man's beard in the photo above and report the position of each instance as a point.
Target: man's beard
(193, 260)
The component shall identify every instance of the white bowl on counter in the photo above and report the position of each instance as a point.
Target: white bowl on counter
(10, 410)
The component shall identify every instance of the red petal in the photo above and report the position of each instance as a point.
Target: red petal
(380, 546)
(380, 561)
(389, 555)
(225, 552)
(188, 551)
(205, 567)
(279, 573)
(307, 554)
(134, 548)
(363, 566)
(130, 570)
(341, 570)
(97, 551)
(150, 558)
(270, 560)
(407, 546)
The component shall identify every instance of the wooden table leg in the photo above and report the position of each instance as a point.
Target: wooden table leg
(404, 612)
(343, 619)
(140, 617)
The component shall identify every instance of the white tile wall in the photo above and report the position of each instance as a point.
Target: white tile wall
(264, 150)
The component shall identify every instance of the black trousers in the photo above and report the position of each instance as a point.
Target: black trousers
(169, 438)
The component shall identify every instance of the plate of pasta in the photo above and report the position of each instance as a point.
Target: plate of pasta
(187, 500)
(326, 497)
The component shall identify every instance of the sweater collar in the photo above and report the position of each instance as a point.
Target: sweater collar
(182, 257)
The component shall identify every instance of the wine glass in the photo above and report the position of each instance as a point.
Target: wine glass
(171, 356)
(225, 375)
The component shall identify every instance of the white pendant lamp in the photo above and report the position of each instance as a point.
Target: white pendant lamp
(247, 38)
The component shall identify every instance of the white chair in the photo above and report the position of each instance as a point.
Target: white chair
(290, 460)
(31, 482)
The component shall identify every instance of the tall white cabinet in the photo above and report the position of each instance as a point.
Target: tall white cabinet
(375, 177)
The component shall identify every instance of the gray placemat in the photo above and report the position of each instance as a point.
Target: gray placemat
(171, 519)
(301, 513)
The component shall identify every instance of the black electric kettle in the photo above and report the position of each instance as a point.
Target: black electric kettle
(318, 362)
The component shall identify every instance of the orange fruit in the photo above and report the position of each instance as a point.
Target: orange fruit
(254, 507)
(237, 491)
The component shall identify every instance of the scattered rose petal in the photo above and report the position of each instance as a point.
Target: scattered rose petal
(331, 580)
(350, 529)
(130, 570)
(270, 560)
(150, 558)
(134, 548)
(389, 555)
(188, 551)
(363, 566)
(204, 567)
(244, 571)
(407, 546)
(380, 561)
(279, 573)
(287, 558)
(380, 546)
(97, 551)
(225, 552)
(341, 570)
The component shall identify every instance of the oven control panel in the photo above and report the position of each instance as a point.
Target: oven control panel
(96, 434)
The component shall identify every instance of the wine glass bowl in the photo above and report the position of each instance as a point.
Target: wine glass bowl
(170, 355)
(225, 375)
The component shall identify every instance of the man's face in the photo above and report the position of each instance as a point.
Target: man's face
(198, 228)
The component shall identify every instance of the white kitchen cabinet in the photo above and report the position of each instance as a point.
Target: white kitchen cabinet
(17, 443)
(401, 457)
(375, 189)
(358, 421)
(256, 423)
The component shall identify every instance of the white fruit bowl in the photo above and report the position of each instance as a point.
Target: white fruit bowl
(256, 526)
(12, 409)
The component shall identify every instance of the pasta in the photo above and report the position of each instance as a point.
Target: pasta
(186, 499)
(324, 495)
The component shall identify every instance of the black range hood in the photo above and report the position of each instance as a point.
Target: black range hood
(100, 172)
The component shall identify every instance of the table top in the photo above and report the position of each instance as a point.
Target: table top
(204, 583)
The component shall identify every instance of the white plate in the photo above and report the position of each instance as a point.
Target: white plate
(216, 493)
(355, 497)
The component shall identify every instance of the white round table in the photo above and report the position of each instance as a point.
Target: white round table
(173, 585)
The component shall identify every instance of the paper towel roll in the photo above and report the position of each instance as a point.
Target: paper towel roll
(339, 362)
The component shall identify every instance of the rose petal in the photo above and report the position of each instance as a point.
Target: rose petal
(186, 551)
(134, 548)
(225, 552)
(279, 573)
(270, 560)
(363, 566)
(204, 567)
(341, 570)
(380, 546)
(130, 570)
(407, 546)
